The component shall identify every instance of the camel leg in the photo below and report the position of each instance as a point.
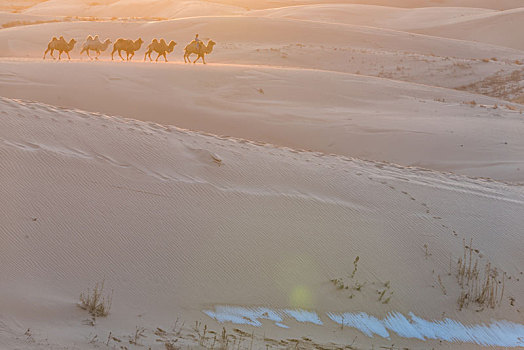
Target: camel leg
(51, 53)
(145, 55)
(88, 55)
(157, 57)
(45, 53)
(165, 58)
(204, 59)
(68, 57)
(188, 59)
(197, 58)
(59, 55)
(131, 57)
(120, 54)
(112, 53)
(98, 54)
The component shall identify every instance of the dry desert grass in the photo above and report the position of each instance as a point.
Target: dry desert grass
(482, 286)
(95, 301)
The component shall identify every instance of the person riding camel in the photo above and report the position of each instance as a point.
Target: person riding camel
(198, 41)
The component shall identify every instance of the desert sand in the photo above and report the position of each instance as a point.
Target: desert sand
(311, 187)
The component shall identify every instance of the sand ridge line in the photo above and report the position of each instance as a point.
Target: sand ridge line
(156, 128)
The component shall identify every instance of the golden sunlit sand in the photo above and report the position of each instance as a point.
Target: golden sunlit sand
(342, 174)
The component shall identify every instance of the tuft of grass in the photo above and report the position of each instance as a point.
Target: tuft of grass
(426, 251)
(139, 333)
(442, 286)
(355, 267)
(480, 286)
(95, 302)
(171, 346)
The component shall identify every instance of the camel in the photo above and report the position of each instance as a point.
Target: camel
(159, 47)
(61, 45)
(94, 45)
(129, 46)
(201, 51)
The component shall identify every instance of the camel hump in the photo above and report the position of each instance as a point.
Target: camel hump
(162, 41)
(192, 43)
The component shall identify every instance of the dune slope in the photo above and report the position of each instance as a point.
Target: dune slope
(370, 118)
(296, 43)
(492, 29)
(176, 222)
(375, 16)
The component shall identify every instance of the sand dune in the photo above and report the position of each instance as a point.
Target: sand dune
(487, 4)
(295, 43)
(492, 29)
(8, 19)
(260, 30)
(465, 23)
(323, 137)
(36, 6)
(173, 231)
(375, 16)
(133, 8)
(365, 117)
(471, 24)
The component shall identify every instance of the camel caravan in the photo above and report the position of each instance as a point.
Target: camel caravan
(129, 47)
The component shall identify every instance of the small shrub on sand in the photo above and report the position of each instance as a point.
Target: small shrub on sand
(485, 287)
(171, 346)
(355, 266)
(135, 337)
(95, 302)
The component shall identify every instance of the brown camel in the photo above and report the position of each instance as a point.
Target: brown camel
(159, 47)
(94, 45)
(61, 45)
(200, 50)
(129, 46)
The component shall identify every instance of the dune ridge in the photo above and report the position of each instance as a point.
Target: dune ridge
(303, 109)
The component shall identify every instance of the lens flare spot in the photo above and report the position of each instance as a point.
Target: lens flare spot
(301, 297)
